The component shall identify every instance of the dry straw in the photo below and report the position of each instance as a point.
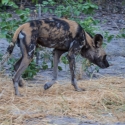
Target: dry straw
(103, 100)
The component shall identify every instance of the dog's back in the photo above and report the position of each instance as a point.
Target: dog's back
(53, 32)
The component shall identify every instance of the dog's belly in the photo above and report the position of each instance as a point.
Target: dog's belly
(59, 43)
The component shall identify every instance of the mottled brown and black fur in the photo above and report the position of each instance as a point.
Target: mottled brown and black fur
(64, 36)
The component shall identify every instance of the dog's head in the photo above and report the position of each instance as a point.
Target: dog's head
(94, 52)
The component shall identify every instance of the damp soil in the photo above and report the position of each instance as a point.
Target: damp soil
(110, 21)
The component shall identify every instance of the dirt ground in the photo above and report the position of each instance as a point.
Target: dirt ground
(102, 103)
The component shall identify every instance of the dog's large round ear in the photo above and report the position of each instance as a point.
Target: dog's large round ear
(98, 40)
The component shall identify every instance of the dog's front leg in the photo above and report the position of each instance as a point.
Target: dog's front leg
(71, 59)
(56, 57)
(74, 49)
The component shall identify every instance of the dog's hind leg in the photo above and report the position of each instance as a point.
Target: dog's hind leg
(16, 66)
(56, 57)
(23, 65)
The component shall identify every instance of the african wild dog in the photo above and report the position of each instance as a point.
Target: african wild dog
(64, 36)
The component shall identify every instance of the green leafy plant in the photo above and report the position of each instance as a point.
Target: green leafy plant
(44, 5)
(8, 3)
(88, 7)
(87, 24)
(8, 24)
(46, 57)
(69, 8)
(0, 57)
(108, 38)
(62, 11)
(11, 62)
(49, 2)
(121, 34)
(59, 68)
(35, 1)
(44, 66)
(31, 71)
(64, 60)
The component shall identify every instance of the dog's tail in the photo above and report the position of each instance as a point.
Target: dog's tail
(11, 46)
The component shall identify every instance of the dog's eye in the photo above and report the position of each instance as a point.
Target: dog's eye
(104, 57)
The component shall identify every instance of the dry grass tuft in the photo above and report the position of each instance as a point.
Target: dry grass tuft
(103, 100)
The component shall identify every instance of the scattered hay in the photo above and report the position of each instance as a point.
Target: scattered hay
(103, 100)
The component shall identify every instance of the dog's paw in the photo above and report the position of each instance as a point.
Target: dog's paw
(19, 95)
(21, 83)
(47, 86)
(80, 89)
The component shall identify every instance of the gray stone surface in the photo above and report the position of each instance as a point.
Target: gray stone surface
(52, 120)
(3, 47)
